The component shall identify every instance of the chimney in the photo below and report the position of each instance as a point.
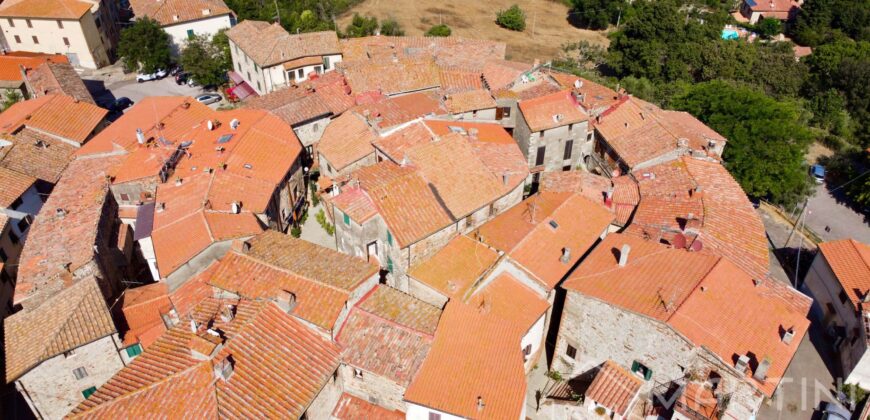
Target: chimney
(140, 136)
(228, 313)
(480, 403)
(505, 178)
(223, 370)
(742, 364)
(608, 197)
(761, 370)
(286, 300)
(787, 336)
(170, 319)
(623, 255)
(566, 255)
(60, 213)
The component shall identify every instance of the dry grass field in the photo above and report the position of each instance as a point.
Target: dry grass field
(547, 27)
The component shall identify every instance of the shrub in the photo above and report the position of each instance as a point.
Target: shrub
(321, 219)
(361, 26)
(512, 18)
(768, 27)
(390, 27)
(296, 231)
(315, 197)
(439, 30)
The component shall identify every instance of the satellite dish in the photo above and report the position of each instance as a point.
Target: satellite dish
(696, 246)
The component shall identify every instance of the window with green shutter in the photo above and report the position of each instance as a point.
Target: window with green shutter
(389, 264)
(90, 391)
(346, 219)
(640, 369)
(389, 238)
(134, 350)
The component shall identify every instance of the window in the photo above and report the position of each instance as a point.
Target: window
(389, 264)
(505, 112)
(88, 392)
(23, 224)
(346, 219)
(16, 203)
(434, 416)
(13, 237)
(11, 22)
(539, 159)
(29, 23)
(125, 197)
(17, 39)
(569, 148)
(258, 85)
(571, 351)
(80, 373)
(527, 350)
(256, 68)
(830, 307)
(68, 354)
(843, 296)
(134, 350)
(641, 370)
(389, 238)
(318, 69)
(97, 22)
(3, 256)
(35, 40)
(570, 127)
(326, 63)
(468, 221)
(357, 373)
(491, 210)
(300, 74)
(66, 41)
(60, 24)
(190, 34)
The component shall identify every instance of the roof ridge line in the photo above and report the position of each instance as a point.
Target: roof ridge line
(697, 286)
(292, 273)
(395, 323)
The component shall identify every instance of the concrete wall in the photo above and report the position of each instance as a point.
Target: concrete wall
(373, 387)
(534, 337)
(508, 120)
(486, 114)
(86, 47)
(52, 390)
(822, 284)
(178, 33)
(554, 140)
(419, 412)
(425, 293)
(265, 80)
(324, 402)
(31, 203)
(327, 169)
(310, 132)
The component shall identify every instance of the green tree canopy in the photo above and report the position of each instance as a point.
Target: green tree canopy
(361, 26)
(512, 18)
(144, 46)
(597, 14)
(769, 27)
(439, 30)
(295, 15)
(820, 21)
(766, 138)
(391, 27)
(205, 60)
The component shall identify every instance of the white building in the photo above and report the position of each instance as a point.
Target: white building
(183, 19)
(85, 31)
(266, 57)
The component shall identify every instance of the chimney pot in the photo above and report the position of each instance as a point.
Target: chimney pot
(286, 300)
(623, 255)
(566, 255)
(761, 370)
(787, 336)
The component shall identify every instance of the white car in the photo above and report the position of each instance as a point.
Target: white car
(159, 74)
(208, 98)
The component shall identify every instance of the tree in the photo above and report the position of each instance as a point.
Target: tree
(361, 26)
(205, 60)
(390, 27)
(221, 41)
(512, 18)
(12, 97)
(597, 14)
(439, 30)
(144, 46)
(767, 140)
(768, 28)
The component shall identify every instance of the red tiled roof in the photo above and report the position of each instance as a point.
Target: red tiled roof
(349, 407)
(142, 308)
(850, 261)
(470, 100)
(311, 99)
(269, 44)
(500, 74)
(459, 80)
(474, 356)
(449, 52)
(782, 6)
(375, 338)
(614, 387)
(454, 269)
(14, 184)
(36, 154)
(390, 77)
(550, 111)
(592, 96)
(11, 63)
(60, 115)
(45, 9)
(386, 112)
(265, 347)
(508, 299)
(58, 77)
(175, 12)
(346, 140)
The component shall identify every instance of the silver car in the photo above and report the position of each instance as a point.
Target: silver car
(208, 98)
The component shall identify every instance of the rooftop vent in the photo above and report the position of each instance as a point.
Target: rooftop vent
(578, 84)
(60, 213)
(228, 313)
(623, 255)
(566, 255)
(206, 12)
(558, 118)
(209, 125)
(683, 142)
(248, 166)
(170, 319)
(223, 370)
(140, 136)
(787, 336)
(234, 124)
(175, 18)
(480, 404)
(761, 370)
(236, 207)
(286, 300)
(742, 364)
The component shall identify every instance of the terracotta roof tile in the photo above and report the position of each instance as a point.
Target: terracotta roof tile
(500, 74)
(349, 407)
(46, 9)
(346, 140)
(454, 269)
(58, 77)
(396, 144)
(69, 319)
(11, 63)
(614, 387)
(60, 243)
(550, 111)
(60, 115)
(174, 12)
(459, 80)
(508, 299)
(14, 184)
(142, 308)
(386, 112)
(850, 261)
(474, 356)
(315, 97)
(402, 308)
(36, 154)
(266, 347)
(470, 100)
(268, 45)
(391, 77)
(449, 52)
(593, 97)
(356, 203)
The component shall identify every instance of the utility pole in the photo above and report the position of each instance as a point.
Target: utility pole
(796, 223)
(618, 18)
(277, 12)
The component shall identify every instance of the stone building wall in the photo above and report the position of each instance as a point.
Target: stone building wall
(373, 388)
(324, 402)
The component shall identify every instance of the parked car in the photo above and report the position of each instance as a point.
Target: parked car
(120, 104)
(835, 412)
(208, 98)
(159, 74)
(818, 173)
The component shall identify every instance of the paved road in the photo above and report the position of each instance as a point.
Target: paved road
(137, 91)
(312, 232)
(824, 210)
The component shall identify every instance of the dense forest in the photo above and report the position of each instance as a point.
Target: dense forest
(767, 103)
(294, 15)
